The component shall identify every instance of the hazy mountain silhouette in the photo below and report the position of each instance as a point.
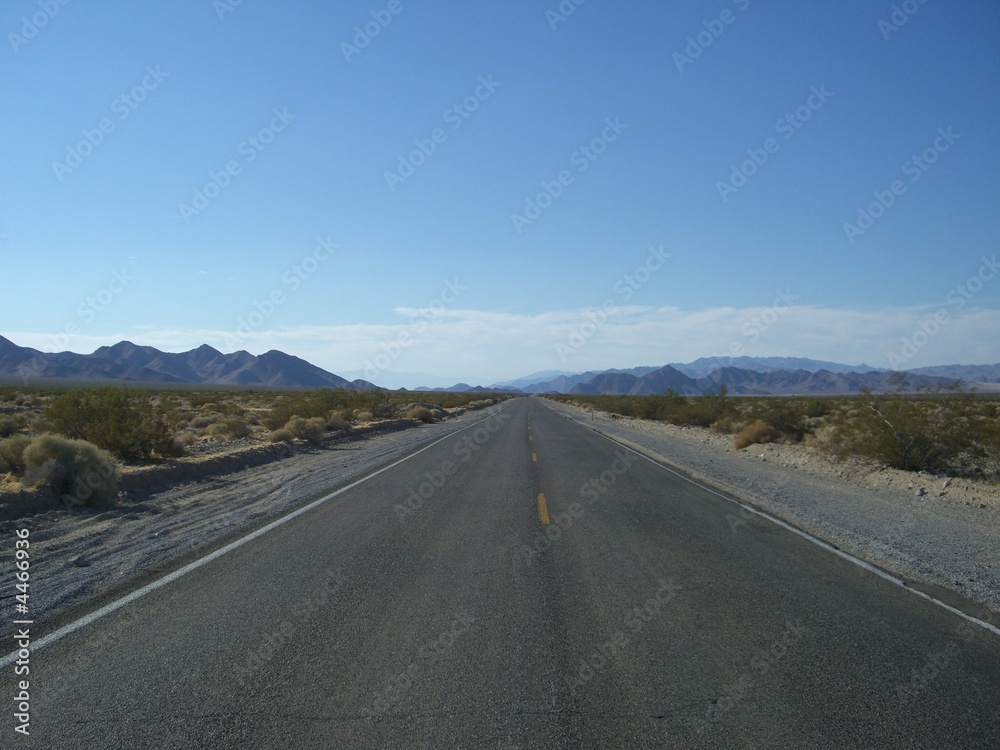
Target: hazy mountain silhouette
(126, 361)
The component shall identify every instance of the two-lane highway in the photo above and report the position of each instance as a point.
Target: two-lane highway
(522, 583)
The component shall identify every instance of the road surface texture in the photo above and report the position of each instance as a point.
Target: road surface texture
(432, 606)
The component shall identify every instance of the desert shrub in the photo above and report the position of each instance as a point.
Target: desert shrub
(231, 427)
(336, 420)
(422, 413)
(353, 405)
(729, 424)
(944, 434)
(115, 419)
(281, 436)
(230, 408)
(817, 407)
(202, 399)
(168, 409)
(12, 453)
(385, 409)
(202, 420)
(757, 432)
(309, 404)
(9, 425)
(697, 411)
(78, 472)
(185, 438)
(788, 416)
(311, 429)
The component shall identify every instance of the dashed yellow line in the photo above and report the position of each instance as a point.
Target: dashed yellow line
(534, 456)
(543, 510)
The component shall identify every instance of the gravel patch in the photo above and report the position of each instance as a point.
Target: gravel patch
(930, 530)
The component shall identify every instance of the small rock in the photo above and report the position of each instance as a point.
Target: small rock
(921, 491)
(982, 505)
(947, 483)
(81, 562)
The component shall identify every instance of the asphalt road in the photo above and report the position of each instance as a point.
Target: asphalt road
(647, 613)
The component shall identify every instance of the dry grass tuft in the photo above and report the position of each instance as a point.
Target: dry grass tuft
(422, 413)
(756, 432)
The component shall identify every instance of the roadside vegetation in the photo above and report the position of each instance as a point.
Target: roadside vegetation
(953, 431)
(76, 441)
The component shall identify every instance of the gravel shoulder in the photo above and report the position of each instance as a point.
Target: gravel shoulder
(79, 553)
(940, 535)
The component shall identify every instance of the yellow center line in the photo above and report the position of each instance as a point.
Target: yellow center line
(534, 457)
(530, 438)
(543, 510)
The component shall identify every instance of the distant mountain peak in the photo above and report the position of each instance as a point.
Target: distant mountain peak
(127, 361)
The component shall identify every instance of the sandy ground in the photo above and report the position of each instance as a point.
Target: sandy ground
(926, 529)
(79, 552)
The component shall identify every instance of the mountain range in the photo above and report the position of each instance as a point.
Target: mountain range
(757, 376)
(740, 381)
(126, 361)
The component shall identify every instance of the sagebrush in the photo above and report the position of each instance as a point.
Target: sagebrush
(78, 472)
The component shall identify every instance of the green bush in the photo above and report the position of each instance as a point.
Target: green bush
(945, 434)
(12, 453)
(9, 425)
(115, 419)
(817, 407)
(78, 472)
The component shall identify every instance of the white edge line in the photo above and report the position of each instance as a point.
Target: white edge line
(804, 534)
(170, 577)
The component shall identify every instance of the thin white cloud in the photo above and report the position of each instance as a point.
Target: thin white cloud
(490, 345)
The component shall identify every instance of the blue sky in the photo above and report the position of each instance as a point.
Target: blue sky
(482, 190)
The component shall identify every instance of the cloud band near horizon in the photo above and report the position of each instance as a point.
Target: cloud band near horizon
(489, 346)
